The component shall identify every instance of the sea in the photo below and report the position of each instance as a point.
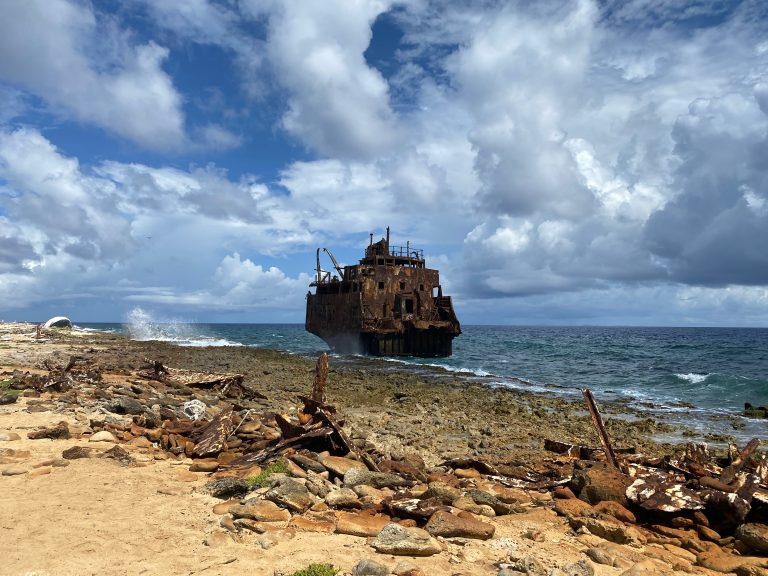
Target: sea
(699, 378)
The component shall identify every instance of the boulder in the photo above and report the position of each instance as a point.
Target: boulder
(463, 525)
(613, 508)
(260, 511)
(342, 498)
(598, 482)
(369, 568)
(58, 322)
(340, 465)
(405, 541)
(360, 524)
(290, 494)
(754, 536)
(356, 476)
(613, 531)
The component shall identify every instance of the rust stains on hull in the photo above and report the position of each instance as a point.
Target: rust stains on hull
(389, 304)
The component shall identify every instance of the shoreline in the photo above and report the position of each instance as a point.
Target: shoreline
(120, 483)
(418, 406)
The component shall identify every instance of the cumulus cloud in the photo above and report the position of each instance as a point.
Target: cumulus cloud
(87, 67)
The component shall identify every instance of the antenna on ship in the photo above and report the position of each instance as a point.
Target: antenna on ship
(387, 237)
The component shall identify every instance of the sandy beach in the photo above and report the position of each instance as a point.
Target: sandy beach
(98, 516)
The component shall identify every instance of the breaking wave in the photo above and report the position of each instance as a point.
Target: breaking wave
(692, 377)
(142, 326)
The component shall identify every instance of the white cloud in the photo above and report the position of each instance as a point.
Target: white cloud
(88, 68)
(337, 105)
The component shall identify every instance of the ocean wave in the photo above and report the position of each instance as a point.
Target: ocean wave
(693, 377)
(142, 326)
(447, 367)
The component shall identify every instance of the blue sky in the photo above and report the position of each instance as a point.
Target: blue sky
(560, 162)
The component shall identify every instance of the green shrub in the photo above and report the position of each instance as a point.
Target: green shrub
(276, 467)
(317, 570)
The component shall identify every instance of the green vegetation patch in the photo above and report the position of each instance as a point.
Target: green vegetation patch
(276, 467)
(317, 570)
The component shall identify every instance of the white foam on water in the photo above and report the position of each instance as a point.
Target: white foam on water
(142, 326)
(692, 377)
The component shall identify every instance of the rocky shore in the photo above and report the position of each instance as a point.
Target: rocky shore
(217, 460)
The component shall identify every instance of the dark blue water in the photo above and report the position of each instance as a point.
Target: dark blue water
(695, 373)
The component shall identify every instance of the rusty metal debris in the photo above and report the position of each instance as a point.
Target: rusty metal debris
(602, 433)
(226, 384)
(389, 304)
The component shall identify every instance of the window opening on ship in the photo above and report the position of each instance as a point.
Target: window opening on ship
(402, 285)
(409, 306)
(381, 285)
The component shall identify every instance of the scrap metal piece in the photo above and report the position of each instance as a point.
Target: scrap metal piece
(597, 420)
(738, 463)
(212, 438)
(321, 379)
(658, 491)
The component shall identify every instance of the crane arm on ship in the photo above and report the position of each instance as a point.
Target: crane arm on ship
(335, 263)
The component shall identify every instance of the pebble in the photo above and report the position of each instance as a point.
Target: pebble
(14, 471)
(9, 437)
(42, 471)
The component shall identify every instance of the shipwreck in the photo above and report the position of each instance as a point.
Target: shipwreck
(389, 304)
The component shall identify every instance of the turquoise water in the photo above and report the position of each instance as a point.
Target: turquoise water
(694, 375)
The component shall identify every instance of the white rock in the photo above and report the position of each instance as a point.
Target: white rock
(103, 436)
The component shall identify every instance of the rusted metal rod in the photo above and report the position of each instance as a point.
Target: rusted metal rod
(601, 431)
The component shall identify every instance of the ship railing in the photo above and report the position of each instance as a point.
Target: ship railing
(406, 252)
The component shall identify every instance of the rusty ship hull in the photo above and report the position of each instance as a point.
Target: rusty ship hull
(389, 304)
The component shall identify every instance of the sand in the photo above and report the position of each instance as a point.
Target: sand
(96, 516)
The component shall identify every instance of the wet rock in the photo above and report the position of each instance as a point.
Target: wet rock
(77, 452)
(290, 494)
(754, 536)
(260, 511)
(403, 541)
(356, 476)
(226, 488)
(360, 524)
(60, 431)
(369, 568)
(462, 525)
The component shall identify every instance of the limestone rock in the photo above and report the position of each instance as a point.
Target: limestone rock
(313, 524)
(356, 476)
(573, 507)
(260, 511)
(342, 498)
(442, 491)
(9, 437)
(613, 531)
(204, 466)
(404, 541)
(754, 535)
(226, 488)
(103, 436)
(360, 524)
(340, 465)
(613, 508)
(60, 431)
(485, 499)
(599, 482)
(449, 525)
(290, 494)
(77, 452)
(14, 471)
(369, 568)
